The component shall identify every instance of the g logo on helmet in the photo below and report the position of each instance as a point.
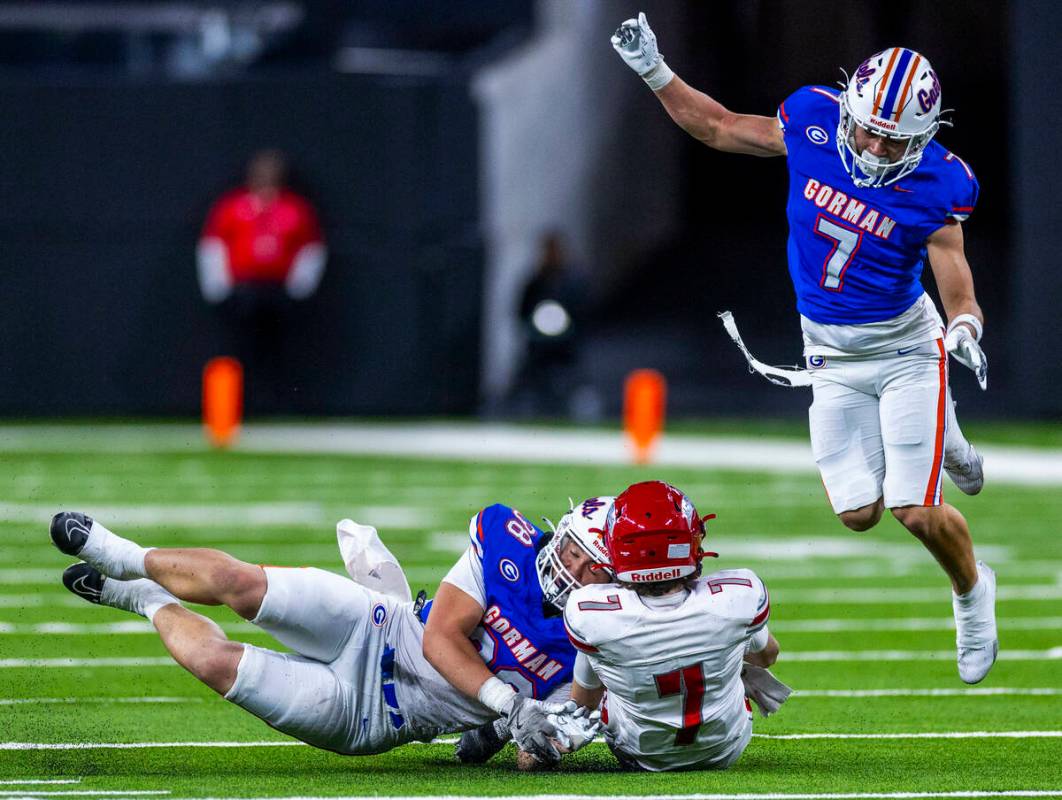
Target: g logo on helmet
(378, 615)
(817, 135)
(509, 570)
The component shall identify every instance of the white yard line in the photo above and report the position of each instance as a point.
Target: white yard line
(87, 793)
(53, 663)
(908, 624)
(108, 628)
(477, 442)
(742, 796)
(40, 782)
(925, 735)
(993, 691)
(140, 745)
(73, 701)
(892, 595)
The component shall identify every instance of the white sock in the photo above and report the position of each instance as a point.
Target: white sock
(970, 599)
(113, 555)
(142, 596)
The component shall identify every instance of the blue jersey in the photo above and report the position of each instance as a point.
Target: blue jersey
(856, 254)
(518, 642)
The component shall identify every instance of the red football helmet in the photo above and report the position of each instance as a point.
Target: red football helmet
(653, 534)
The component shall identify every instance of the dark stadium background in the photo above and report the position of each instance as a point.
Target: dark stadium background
(109, 163)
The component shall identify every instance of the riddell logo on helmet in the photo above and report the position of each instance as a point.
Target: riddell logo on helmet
(882, 123)
(659, 575)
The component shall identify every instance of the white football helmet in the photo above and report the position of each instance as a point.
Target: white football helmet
(895, 94)
(585, 525)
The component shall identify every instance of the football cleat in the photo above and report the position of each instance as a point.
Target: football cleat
(479, 745)
(70, 531)
(83, 580)
(975, 629)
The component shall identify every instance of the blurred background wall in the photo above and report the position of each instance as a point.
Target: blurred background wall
(440, 143)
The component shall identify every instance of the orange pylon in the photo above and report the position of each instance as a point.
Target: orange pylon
(644, 403)
(222, 400)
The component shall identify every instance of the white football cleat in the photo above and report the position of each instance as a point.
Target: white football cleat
(975, 626)
(964, 465)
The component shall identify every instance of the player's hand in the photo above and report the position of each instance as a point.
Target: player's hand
(576, 726)
(533, 732)
(635, 42)
(765, 690)
(961, 343)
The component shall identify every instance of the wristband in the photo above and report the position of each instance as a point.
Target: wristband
(496, 695)
(659, 76)
(972, 321)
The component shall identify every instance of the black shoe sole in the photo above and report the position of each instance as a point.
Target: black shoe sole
(84, 581)
(70, 531)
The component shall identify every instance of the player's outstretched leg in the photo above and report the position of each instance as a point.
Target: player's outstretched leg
(195, 642)
(196, 575)
(943, 531)
(964, 465)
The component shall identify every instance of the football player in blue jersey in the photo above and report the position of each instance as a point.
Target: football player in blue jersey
(495, 625)
(371, 669)
(871, 198)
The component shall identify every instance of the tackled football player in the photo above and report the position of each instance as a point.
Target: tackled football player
(678, 652)
(369, 671)
(871, 196)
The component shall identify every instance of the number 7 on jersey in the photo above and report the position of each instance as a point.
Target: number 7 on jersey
(845, 245)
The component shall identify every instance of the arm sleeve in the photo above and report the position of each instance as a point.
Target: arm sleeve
(758, 640)
(212, 264)
(306, 271)
(584, 672)
(467, 575)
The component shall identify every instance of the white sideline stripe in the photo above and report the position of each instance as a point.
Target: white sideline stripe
(910, 624)
(913, 655)
(781, 626)
(223, 515)
(892, 595)
(40, 782)
(790, 656)
(34, 701)
(926, 735)
(479, 442)
(88, 793)
(974, 692)
(139, 745)
(772, 796)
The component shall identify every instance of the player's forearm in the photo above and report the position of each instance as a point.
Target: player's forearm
(454, 657)
(765, 657)
(590, 698)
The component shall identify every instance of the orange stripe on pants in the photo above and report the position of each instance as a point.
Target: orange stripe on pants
(938, 450)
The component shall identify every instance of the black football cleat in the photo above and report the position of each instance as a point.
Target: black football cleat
(478, 745)
(84, 581)
(70, 531)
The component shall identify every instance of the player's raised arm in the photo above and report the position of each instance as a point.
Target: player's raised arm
(947, 258)
(695, 112)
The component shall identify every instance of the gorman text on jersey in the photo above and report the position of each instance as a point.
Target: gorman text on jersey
(849, 209)
(523, 651)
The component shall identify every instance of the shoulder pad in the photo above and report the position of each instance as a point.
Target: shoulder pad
(596, 613)
(739, 594)
(808, 104)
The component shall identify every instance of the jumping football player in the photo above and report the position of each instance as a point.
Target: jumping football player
(871, 195)
(669, 645)
(369, 672)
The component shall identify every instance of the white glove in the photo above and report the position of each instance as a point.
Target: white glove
(635, 41)
(576, 726)
(765, 690)
(962, 344)
(532, 729)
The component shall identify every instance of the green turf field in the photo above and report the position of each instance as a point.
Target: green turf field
(863, 621)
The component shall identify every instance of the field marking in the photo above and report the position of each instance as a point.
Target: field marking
(1052, 654)
(993, 691)
(743, 796)
(909, 624)
(40, 782)
(34, 701)
(924, 735)
(55, 628)
(893, 595)
(89, 793)
(911, 655)
(235, 515)
(478, 442)
(140, 745)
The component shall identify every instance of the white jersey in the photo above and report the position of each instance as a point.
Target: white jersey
(673, 675)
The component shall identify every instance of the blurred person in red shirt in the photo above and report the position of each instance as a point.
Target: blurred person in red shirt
(261, 249)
